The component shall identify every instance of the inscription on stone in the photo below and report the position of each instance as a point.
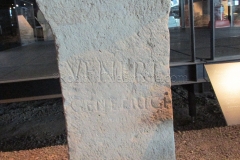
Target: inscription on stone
(118, 105)
(114, 72)
(113, 59)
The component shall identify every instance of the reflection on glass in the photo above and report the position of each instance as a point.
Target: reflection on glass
(202, 29)
(26, 19)
(9, 35)
(22, 23)
(228, 30)
(29, 16)
(174, 18)
(179, 32)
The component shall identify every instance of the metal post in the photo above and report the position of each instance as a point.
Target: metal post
(212, 30)
(191, 12)
(182, 4)
(230, 14)
(192, 102)
(34, 23)
(18, 29)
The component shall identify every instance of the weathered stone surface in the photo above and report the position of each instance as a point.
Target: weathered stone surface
(114, 67)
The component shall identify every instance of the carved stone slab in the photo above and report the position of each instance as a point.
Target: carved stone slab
(114, 66)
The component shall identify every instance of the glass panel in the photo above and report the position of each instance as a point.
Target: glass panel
(179, 31)
(9, 32)
(19, 26)
(26, 21)
(202, 29)
(33, 26)
(227, 29)
(22, 23)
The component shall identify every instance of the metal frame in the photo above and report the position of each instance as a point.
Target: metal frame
(193, 69)
(192, 75)
(193, 46)
(181, 7)
(212, 32)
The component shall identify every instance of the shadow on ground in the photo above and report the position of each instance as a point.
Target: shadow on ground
(209, 114)
(34, 124)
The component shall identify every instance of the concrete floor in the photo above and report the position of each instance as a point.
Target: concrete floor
(34, 61)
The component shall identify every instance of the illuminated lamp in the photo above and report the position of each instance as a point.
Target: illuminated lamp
(225, 79)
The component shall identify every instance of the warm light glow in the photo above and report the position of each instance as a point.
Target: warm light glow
(24, 4)
(225, 79)
(231, 79)
(16, 5)
(13, 7)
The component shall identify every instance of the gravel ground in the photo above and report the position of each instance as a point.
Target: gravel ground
(208, 138)
(36, 130)
(29, 125)
(45, 153)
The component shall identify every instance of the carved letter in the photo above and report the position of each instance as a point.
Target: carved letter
(129, 71)
(145, 72)
(118, 71)
(107, 72)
